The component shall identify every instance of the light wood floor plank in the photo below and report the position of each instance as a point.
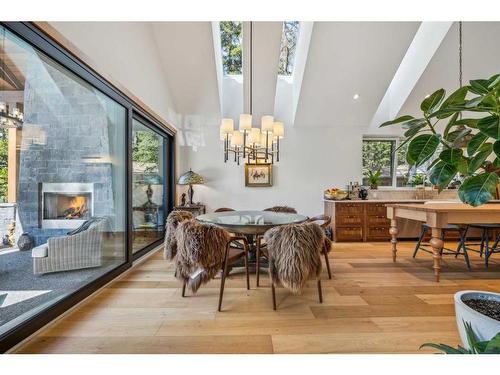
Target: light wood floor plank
(371, 305)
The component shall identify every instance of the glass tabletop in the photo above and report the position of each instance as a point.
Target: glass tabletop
(251, 221)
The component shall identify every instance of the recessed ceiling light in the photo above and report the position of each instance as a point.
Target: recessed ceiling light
(355, 96)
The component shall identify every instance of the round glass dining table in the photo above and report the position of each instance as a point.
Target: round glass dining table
(250, 222)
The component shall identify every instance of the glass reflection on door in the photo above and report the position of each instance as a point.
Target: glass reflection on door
(148, 191)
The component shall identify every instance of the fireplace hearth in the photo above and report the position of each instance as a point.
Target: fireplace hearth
(65, 205)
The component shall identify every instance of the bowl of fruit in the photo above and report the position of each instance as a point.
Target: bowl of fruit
(335, 194)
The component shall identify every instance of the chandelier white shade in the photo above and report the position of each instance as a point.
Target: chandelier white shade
(245, 122)
(278, 130)
(227, 126)
(254, 136)
(267, 123)
(237, 139)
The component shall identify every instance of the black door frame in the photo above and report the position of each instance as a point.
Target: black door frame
(167, 179)
(32, 35)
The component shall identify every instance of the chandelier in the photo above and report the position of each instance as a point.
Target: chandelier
(253, 144)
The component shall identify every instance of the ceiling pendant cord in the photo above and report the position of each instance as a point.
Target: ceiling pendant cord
(460, 53)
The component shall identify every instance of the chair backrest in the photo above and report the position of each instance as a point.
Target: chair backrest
(285, 209)
(325, 219)
(171, 225)
(200, 252)
(224, 209)
(294, 254)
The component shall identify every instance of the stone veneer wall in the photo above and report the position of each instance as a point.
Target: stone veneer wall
(66, 124)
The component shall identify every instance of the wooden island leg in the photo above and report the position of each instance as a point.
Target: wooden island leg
(394, 238)
(437, 248)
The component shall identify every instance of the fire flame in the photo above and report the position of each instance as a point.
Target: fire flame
(77, 208)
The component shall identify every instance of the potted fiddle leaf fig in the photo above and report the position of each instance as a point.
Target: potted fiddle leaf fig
(452, 123)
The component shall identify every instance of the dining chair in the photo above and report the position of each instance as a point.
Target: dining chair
(484, 245)
(224, 209)
(286, 209)
(293, 252)
(462, 233)
(325, 221)
(203, 250)
(171, 225)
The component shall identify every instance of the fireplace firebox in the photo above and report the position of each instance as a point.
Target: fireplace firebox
(65, 205)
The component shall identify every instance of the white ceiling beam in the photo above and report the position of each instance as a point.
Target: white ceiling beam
(420, 52)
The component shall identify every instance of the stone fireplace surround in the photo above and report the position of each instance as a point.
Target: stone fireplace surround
(65, 140)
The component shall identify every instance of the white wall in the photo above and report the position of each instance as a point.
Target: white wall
(126, 51)
(313, 159)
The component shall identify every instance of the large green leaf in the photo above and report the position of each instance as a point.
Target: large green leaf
(470, 122)
(422, 148)
(493, 346)
(451, 123)
(455, 98)
(496, 148)
(452, 156)
(397, 120)
(478, 159)
(432, 101)
(475, 143)
(479, 86)
(414, 130)
(489, 126)
(413, 123)
(442, 174)
(443, 347)
(494, 81)
(479, 189)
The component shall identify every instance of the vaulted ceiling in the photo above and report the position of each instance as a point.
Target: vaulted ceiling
(337, 60)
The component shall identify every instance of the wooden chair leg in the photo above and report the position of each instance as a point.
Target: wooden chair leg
(184, 289)
(223, 278)
(246, 268)
(257, 260)
(328, 266)
(320, 292)
(273, 292)
(420, 239)
(486, 248)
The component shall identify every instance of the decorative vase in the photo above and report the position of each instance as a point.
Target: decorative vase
(484, 326)
(25, 242)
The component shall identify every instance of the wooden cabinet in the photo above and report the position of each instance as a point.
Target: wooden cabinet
(354, 221)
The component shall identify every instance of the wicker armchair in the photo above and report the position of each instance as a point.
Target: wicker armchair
(71, 252)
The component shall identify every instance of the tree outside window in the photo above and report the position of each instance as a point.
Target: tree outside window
(288, 46)
(231, 37)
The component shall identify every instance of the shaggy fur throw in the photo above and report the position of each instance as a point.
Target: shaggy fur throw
(285, 209)
(294, 254)
(173, 221)
(200, 252)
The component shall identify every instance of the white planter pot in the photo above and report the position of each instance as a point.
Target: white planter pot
(484, 326)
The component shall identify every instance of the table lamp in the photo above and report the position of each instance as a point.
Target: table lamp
(190, 178)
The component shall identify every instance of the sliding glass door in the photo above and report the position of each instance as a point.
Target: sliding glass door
(148, 185)
(85, 181)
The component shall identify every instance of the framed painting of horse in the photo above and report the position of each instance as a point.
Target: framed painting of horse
(258, 175)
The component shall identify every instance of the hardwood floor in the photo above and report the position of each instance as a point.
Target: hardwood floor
(371, 305)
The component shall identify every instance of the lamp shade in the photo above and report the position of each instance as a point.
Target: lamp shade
(279, 129)
(237, 139)
(245, 122)
(190, 178)
(267, 123)
(227, 126)
(254, 136)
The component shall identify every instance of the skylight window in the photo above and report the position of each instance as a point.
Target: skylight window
(288, 46)
(231, 39)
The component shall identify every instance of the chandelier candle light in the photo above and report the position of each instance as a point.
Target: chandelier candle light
(252, 143)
